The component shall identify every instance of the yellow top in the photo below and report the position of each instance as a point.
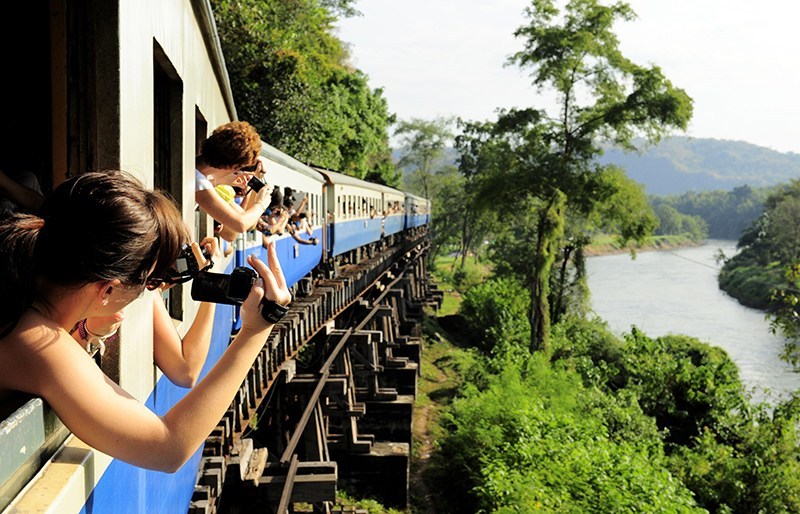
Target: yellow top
(226, 192)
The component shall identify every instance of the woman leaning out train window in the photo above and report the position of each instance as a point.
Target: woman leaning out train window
(52, 280)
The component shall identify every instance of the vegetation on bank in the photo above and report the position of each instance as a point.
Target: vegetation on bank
(715, 214)
(765, 274)
(600, 423)
(604, 244)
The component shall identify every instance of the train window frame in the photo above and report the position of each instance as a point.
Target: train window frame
(168, 147)
(201, 224)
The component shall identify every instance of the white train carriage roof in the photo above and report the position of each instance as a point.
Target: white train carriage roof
(336, 178)
(415, 198)
(392, 191)
(273, 154)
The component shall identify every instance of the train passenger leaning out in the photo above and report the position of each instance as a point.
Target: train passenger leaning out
(298, 225)
(229, 157)
(49, 283)
(180, 358)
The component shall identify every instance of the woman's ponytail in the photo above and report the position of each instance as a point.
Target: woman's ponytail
(18, 234)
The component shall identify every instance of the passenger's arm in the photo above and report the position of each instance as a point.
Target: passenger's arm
(236, 220)
(182, 359)
(109, 419)
(21, 195)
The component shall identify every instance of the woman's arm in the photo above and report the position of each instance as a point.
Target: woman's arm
(181, 359)
(47, 362)
(21, 195)
(235, 220)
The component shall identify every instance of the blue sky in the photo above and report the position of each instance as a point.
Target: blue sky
(738, 59)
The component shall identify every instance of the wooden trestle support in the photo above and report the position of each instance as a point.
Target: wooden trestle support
(329, 401)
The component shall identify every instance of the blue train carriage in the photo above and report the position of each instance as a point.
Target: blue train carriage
(418, 211)
(298, 258)
(130, 85)
(354, 209)
(394, 204)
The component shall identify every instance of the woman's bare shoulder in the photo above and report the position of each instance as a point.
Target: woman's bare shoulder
(35, 348)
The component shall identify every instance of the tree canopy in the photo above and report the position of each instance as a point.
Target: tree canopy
(551, 158)
(291, 79)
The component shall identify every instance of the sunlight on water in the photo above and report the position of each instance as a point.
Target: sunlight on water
(676, 292)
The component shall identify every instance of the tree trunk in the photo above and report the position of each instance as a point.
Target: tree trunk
(549, 232)
(465, 239)
(558, 305)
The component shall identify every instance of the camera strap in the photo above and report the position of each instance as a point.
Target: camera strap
(272, 312)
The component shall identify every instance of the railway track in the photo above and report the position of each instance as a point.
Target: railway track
(328, 403)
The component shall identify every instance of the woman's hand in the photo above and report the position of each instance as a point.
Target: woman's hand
(211, 246)
(103, 326)
(271, 285)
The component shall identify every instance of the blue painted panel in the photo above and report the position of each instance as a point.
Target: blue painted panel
(417, 220)
(349, 235)
(308, 256)
(124, 488)
(394, 224)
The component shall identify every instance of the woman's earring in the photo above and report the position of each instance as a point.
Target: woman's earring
(105, 301)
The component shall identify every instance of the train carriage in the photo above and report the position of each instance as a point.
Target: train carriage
(417, 211)
(134, 85)
(354, 208)
(394, 202)
(284, 171)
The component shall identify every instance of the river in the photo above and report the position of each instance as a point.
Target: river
(675, 291)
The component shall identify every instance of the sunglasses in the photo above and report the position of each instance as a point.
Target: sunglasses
(173, 277)
(252, 168)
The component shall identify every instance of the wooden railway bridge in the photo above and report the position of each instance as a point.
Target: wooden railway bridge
(329, 401)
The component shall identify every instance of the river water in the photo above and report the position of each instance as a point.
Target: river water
(675, 291)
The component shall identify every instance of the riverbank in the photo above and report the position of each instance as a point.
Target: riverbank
(608, 245)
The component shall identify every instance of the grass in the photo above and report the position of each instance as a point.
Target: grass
(454, 281)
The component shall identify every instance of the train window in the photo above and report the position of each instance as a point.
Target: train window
(200, 132)
(168, 145)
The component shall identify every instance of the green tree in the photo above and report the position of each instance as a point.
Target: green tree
(422, 147)
(602, 96)
(291, 79)
(457, 224)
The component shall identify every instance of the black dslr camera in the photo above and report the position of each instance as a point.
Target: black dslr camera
(255, 184)
(233, 290)
(186, 264)
(221, 288)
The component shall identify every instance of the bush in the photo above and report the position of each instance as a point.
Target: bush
(589, 347)
(751, 285)
(536, 440)
(496, 312)
(685, 384)
(758, 471)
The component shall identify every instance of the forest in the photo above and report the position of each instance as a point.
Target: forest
(549, 411)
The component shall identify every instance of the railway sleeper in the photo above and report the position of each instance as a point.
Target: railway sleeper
(314, 482)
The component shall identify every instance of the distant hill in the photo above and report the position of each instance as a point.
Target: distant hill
(681, 164)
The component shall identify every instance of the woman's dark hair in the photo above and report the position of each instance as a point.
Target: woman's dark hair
(94, 227)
